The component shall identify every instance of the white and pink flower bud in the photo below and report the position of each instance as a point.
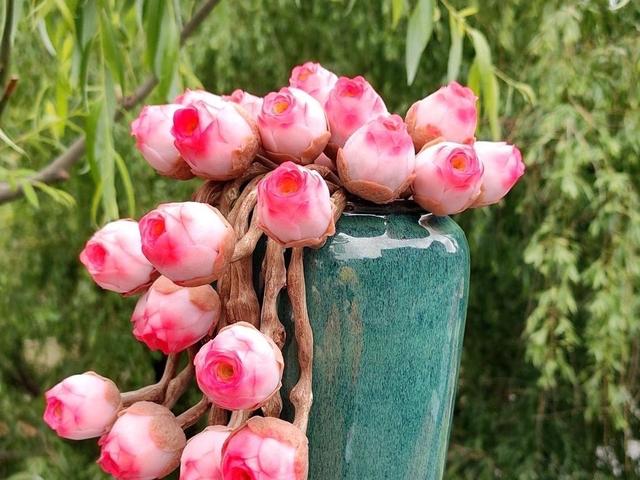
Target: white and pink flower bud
(113, 257)
(378, 160)
(218, 141)
(251, 103)
(82, 406)
(266, 449)
(448, 178)
(202, 456)
(145, 443)
(192, 96)
(171, 318)
(503, 166)
(240, 369)
(449, 114)
(314, 79)
(152, 130)
(293, 126)
(352, 103)
(294, 207)
(190, 243)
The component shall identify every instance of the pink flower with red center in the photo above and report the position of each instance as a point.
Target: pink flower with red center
(218, 141)
(503, 167)
(250, 103)
(202, 456)
(190, 243)
(352, 103)
(449, 114)
(448, 178)
(266, 449)
(378, 160)
(82, 406)
(294, 206)
(113, 257)
(293, 126)
(314, 79)
(171, 318)
(145, 443)
(192, 96)
(152, 130)
(240, 369)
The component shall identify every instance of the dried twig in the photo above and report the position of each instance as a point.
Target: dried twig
(190, 417)
(155, 392)
(58, 169)
(301, 394)
(218, 416)
(181, 382)
(238, 418)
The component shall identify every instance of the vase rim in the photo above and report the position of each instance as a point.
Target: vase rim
(396, 207)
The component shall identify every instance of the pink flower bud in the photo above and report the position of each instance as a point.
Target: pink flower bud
(240, 369)
(152, 130)
(250, 103)
(378, 160)
(293, 126)
(190, 243)
(352, 103)
(449, 114)
(145, 443)
(199, 95)
(82, 406)
(114, 259)
(217, 141)
(314, 79)
(171, 318)
(294, 206)
(202, 456)
(266, 449)
(503, 167)
(448, 178)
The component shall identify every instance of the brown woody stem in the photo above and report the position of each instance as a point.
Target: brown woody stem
(181, 382)
(275, 279)
(155, 392)
(218, 416)
(238, 418)
(301, 394)
(190, 417)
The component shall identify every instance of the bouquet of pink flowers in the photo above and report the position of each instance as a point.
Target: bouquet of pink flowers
(283, 165)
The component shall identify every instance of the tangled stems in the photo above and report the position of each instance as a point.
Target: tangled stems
(155, 392)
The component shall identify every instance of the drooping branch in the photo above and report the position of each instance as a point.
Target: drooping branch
(58, 169)
(275, 279)
(155, 392)
(190, 417)
(301, 395)
(181, 382)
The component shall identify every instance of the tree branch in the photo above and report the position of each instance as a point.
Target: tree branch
(58, 169)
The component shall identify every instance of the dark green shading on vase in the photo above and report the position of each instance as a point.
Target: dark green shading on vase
(387, 298)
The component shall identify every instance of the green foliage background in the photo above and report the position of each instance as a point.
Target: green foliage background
(549, 381)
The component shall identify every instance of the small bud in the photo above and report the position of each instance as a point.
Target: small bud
(250, 103)
(314, 79)
(503, 167)
(202, 456)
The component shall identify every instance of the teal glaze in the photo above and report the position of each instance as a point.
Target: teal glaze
(387, 298)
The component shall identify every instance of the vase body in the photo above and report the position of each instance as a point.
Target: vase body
(387, 299)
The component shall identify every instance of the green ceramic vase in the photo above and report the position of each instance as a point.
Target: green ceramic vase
(387, 299)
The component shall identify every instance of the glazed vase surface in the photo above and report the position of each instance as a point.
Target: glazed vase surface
(387, 298)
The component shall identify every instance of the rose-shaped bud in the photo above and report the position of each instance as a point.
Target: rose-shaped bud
(450, 114)
(293, 126)
(154, 140)
(82, 406)
(266, 449)
(113, 257)
(314, 79)
(325, 161)
(192, 96)
(250, 103)
(294, 207)
(448, 178)
(240, 369)
(190, 243)
(503, 167)
(352, 103)
(171, 318)
(217, 141)
(202, 456)
(145, 443)
(378, 160)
